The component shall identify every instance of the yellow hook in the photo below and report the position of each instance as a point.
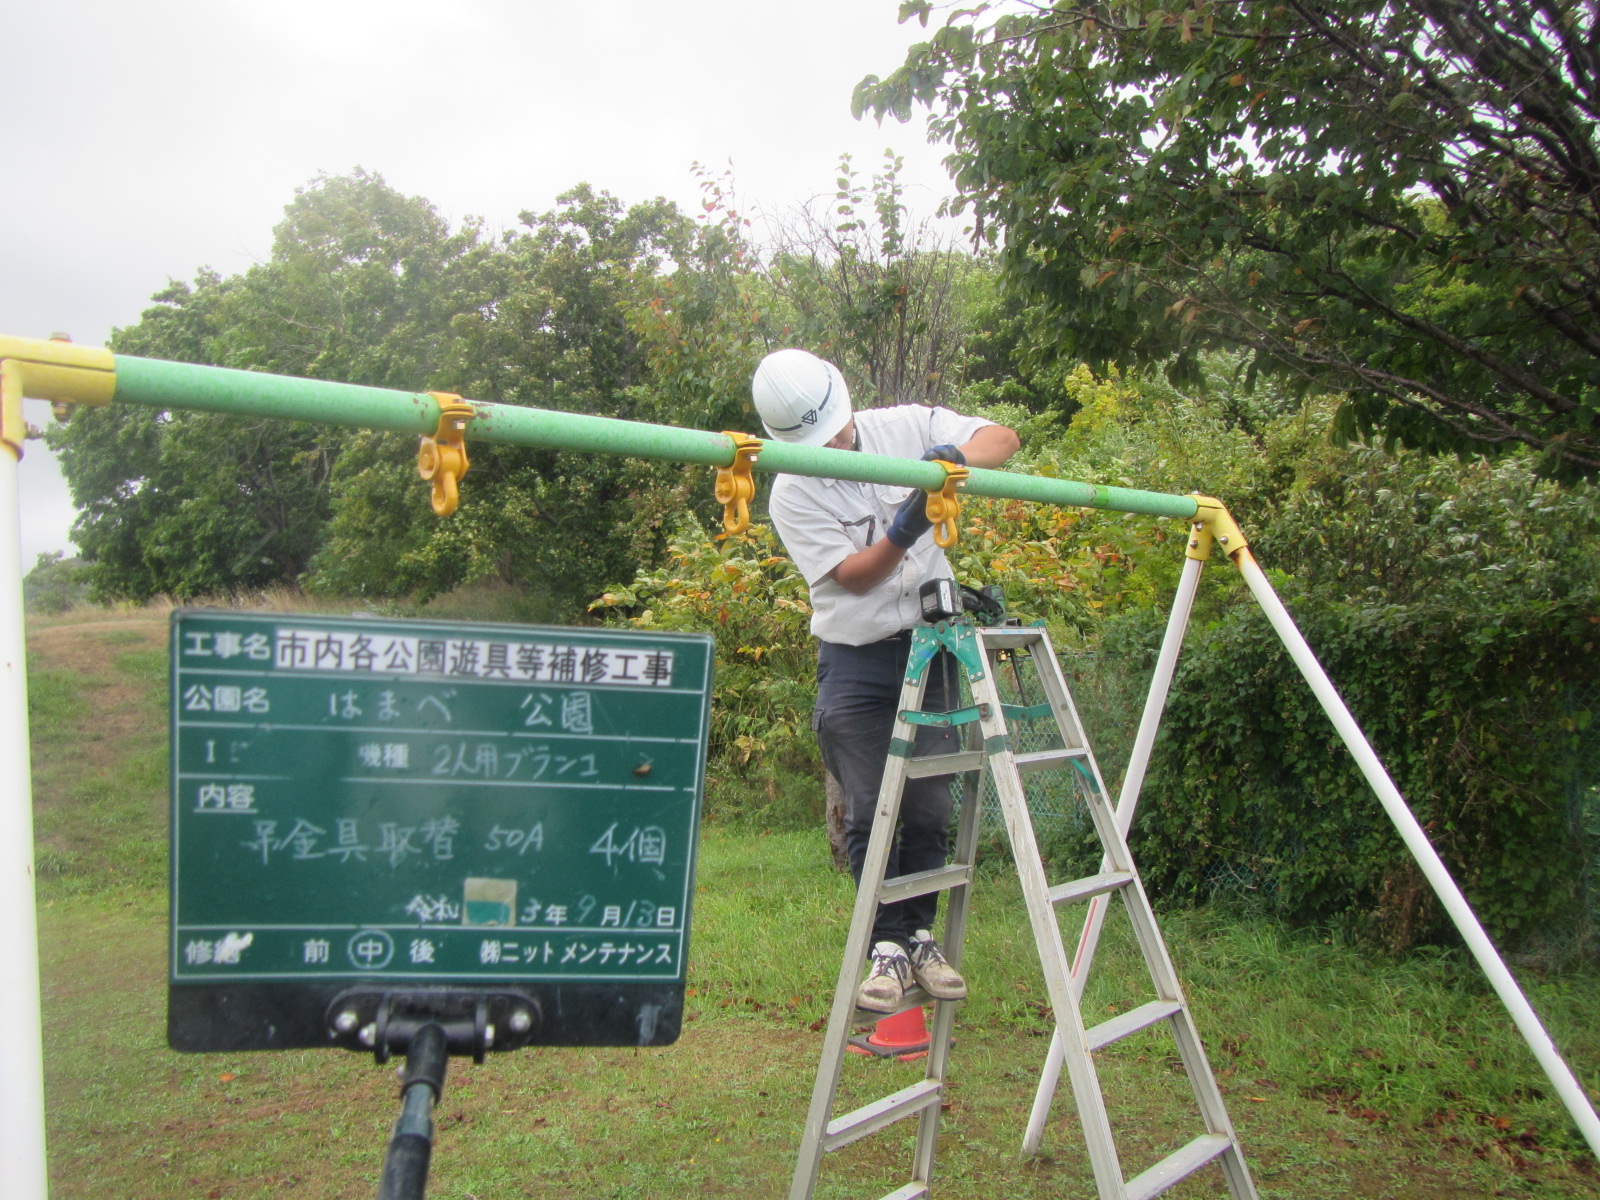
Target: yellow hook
(944, 507)
(736, 486)
(442, 458)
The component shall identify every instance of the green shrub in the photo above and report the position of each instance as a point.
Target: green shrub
(1454, 606)
(745, 592)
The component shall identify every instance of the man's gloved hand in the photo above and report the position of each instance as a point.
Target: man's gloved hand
(911, 520)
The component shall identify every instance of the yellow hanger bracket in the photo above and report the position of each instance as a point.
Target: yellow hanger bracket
(944, 507)
(736, 485)
(442, 458)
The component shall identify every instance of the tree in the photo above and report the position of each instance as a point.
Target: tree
(1399, 202)
(875, 290)
(555, 330)
(363, 285)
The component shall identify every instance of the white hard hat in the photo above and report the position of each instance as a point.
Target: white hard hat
(801, 398)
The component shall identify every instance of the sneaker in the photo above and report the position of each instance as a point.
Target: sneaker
(929, 968)
(884, 988)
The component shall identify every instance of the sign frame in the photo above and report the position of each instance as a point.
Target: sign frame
(537, 788)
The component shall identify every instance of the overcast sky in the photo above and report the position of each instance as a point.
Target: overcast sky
(144, 139)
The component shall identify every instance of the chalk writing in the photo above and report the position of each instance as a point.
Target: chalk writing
(516, 839)
(639, 914)
(433, 909)
(432, 800)
(486, 760)
(645, 846)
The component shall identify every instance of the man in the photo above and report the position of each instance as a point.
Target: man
(865, 552)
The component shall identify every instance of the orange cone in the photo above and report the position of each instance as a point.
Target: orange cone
(903, 1036)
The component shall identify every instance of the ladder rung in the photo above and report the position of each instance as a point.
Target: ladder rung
(911, 1191)
(1131, 1022)
(1041, 759)
(1026, 712)
(920, 883)
(1002, 638)
(915, 997)
(944, 764)
(1089, 885)
(1180, 1165)
(880, 1113)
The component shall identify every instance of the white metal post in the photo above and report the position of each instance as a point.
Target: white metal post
(21, 1044)
(1500, 978)
(1132, 781)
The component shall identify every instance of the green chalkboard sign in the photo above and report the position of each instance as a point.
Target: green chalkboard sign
(414, 803)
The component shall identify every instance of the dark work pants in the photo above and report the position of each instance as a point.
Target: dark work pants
(858, 695)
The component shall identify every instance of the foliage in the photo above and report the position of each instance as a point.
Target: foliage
(55, 584)
(876, 291)
(362, 286)
(554, 331)
(748, 595)
(1392, 201)
(1074, 567)
(1386, 529)
(638, 313)
(1453, 606)
(369, 286)
(703, 327)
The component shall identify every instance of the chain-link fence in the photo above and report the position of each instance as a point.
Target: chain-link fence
(1056, 798)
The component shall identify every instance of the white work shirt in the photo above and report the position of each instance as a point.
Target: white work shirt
(824, 521)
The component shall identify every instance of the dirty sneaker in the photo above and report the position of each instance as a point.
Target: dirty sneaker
(929, 968)
(885, 985)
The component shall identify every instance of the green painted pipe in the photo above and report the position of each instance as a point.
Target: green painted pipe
(157, 384)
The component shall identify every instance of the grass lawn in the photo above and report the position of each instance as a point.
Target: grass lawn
(1347, 1074)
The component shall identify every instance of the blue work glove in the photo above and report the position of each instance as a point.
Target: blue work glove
(910, 521)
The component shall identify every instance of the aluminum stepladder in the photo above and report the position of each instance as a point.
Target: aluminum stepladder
(980, 653)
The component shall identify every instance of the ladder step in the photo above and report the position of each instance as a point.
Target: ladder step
(915, 997)
(1040, 760)
(920, 883)
(1005, 638)
(1090, 885)
(907, 1102)
(945, 764)
(1205, 1148)
(1130, 1022)
(911, 1191)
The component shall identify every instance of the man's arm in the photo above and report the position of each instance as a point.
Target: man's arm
(866, 569)
(991, 446)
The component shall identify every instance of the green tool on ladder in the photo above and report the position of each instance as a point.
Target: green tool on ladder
(980, 652)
